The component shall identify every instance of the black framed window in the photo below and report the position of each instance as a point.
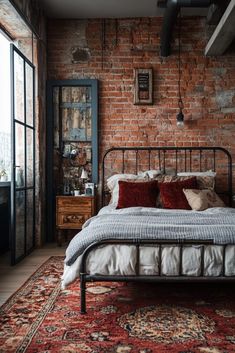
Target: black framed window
(23, 155)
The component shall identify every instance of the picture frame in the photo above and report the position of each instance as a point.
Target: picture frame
(89, 189)
(143, 86)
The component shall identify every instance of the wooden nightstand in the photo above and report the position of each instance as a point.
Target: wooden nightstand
(72, 212)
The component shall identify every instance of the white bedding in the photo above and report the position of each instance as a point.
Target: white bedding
(121, 259)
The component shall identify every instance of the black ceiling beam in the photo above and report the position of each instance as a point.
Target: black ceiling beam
(170, 17)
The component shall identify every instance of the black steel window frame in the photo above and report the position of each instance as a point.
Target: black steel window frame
(26, 126)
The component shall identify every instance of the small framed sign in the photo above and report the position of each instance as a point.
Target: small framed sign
(143, 89)
(89, 189)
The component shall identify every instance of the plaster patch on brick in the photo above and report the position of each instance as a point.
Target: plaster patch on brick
(228, 110)
(76, 47)
(80, 54)
(163, 123)
(230, 127)
(224, 98)
(220, 71)
(212, 135)
(126, 24)
(80, 33)
(199, 89)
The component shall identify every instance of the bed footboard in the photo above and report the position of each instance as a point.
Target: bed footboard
(161, 277)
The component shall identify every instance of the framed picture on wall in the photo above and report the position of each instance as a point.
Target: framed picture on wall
(143, 86)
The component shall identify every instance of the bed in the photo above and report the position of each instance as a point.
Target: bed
(154, 243)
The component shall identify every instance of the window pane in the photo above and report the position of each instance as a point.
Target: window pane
(19, 87)
(20, 223)
(29, 220)
(29, 95)
(76, 113)
(19, 155)
(30, 159)
(56, 116)
(5, 104)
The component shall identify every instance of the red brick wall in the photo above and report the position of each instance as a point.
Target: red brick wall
(208, 84)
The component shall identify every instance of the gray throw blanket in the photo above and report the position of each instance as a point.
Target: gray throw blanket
(178, 225)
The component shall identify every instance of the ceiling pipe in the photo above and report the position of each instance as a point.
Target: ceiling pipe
(170, 17)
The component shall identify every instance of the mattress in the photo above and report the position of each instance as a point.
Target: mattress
(154, 260)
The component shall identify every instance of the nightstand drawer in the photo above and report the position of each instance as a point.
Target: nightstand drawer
(72, 220)
(73, 201)
(75, 209)
(72, 212)
(78, 203)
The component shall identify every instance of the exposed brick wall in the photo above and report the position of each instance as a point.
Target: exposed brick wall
(208, 84)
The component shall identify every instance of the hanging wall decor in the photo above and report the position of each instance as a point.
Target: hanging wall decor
(143, 86)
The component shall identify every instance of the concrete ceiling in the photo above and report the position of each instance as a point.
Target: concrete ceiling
(80, 9)
(107, 9)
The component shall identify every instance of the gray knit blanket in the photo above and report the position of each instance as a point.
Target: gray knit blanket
(216, 224)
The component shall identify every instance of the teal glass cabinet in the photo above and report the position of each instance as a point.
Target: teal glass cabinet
(72, 140)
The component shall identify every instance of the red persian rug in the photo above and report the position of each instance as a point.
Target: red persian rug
(122, 318)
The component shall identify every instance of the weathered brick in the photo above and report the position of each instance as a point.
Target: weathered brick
(207, 83)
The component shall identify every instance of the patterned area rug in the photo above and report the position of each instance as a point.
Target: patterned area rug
(122, 318)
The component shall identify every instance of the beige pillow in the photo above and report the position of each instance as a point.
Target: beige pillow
(200, 200)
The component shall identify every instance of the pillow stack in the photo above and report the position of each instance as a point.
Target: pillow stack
(153, 189)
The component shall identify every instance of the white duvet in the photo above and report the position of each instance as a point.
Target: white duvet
(121, 259)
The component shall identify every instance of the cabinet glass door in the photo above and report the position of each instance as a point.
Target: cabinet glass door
(23, 149)
(72, 141)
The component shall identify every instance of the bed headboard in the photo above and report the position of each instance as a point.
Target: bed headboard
(175, 159)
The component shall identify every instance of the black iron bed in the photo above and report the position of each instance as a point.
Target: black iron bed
(187, 159)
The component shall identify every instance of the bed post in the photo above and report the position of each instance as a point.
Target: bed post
(83, 293)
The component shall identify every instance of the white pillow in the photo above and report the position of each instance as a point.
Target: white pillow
(151, 174)
(114, 179)
(207, 173)
(169, 171)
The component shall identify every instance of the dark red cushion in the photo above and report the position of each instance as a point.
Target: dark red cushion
(133, 194)
(172, 194)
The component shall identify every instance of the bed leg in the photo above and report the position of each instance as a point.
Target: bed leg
(83, 293)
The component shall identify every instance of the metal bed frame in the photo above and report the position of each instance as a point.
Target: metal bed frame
(185, 156)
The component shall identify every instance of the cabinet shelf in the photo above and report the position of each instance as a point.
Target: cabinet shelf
(75, 105)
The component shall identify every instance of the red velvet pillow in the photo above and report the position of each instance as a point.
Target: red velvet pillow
(133, 194)
(172, 194)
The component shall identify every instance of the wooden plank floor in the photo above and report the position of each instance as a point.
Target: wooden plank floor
(12, 277)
